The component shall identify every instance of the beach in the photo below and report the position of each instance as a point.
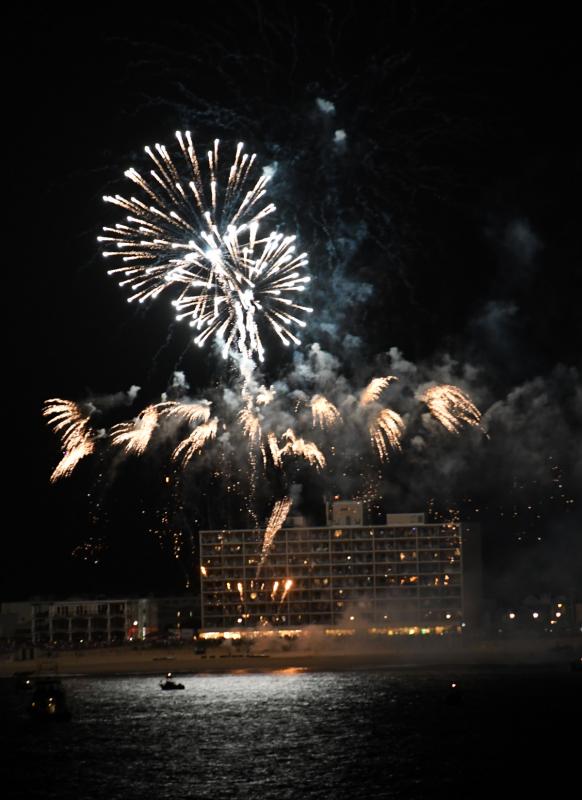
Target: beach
(127, 659)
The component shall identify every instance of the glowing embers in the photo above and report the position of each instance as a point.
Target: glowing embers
(134, 436)
(451, 407)
(386, 431)
(77, 438)
(374, 389)
(195, 441)
(324, 413)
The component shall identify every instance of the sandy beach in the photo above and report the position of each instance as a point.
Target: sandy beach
(158, 661)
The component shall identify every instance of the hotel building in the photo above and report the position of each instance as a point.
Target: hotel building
(404, 576)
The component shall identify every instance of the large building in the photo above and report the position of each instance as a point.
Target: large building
(406, 576)
(83, 621)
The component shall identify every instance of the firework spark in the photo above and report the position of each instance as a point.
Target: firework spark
(451, 407)
(274, 449)
(324, 413)
(134, 436)
(194, 413)
(276, 520)
(251, 425)
(77, 439)
(191, 230)
(195, 442)
(386, 432)
(287, 585)
(375, 388)
(299, 447)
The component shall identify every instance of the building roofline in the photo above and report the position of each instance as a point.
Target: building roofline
(333, 527)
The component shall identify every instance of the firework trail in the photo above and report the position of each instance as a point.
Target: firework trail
(274, 449)
(299, 447)
(451, 407)
(286, 586)
(386, 432)
(374, 389)
(196, 441)
(276, 520)
(77, 439)
(323, 412)
(251, 425)
(134, 436)
(193, 231)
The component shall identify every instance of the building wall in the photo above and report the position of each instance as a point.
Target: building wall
(79, 621)
(15, 621)
(378, 575)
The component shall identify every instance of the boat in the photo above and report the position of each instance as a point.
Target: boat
(170, 685)
(49, 701)
(23, 680)
(454, 695)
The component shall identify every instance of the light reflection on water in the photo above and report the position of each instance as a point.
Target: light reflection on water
(285, 734)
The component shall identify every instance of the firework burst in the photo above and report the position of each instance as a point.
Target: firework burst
(375, 388)
(451, 407)
(134, 436)
(195, 442)
(193, 413)
(77, 439)
(196, 227)
(251, 425)
(299, 447)
(386, 431)
(323, 412)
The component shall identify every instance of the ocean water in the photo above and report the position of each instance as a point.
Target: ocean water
(297, 734)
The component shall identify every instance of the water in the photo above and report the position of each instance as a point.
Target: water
(297, 734)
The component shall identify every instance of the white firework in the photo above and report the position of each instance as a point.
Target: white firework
(191, 230)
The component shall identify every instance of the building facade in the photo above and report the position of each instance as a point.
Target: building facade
(395, 577)
(81, 620)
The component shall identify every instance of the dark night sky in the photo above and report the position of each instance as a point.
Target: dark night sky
(456, 197)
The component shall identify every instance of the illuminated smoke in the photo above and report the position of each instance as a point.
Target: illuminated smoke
(265, 396)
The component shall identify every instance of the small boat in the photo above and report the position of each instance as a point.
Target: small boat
(454, 695)
(49, 701)
(23, 680)
(170, 685)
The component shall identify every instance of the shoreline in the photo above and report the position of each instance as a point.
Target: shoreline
(182, 660)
